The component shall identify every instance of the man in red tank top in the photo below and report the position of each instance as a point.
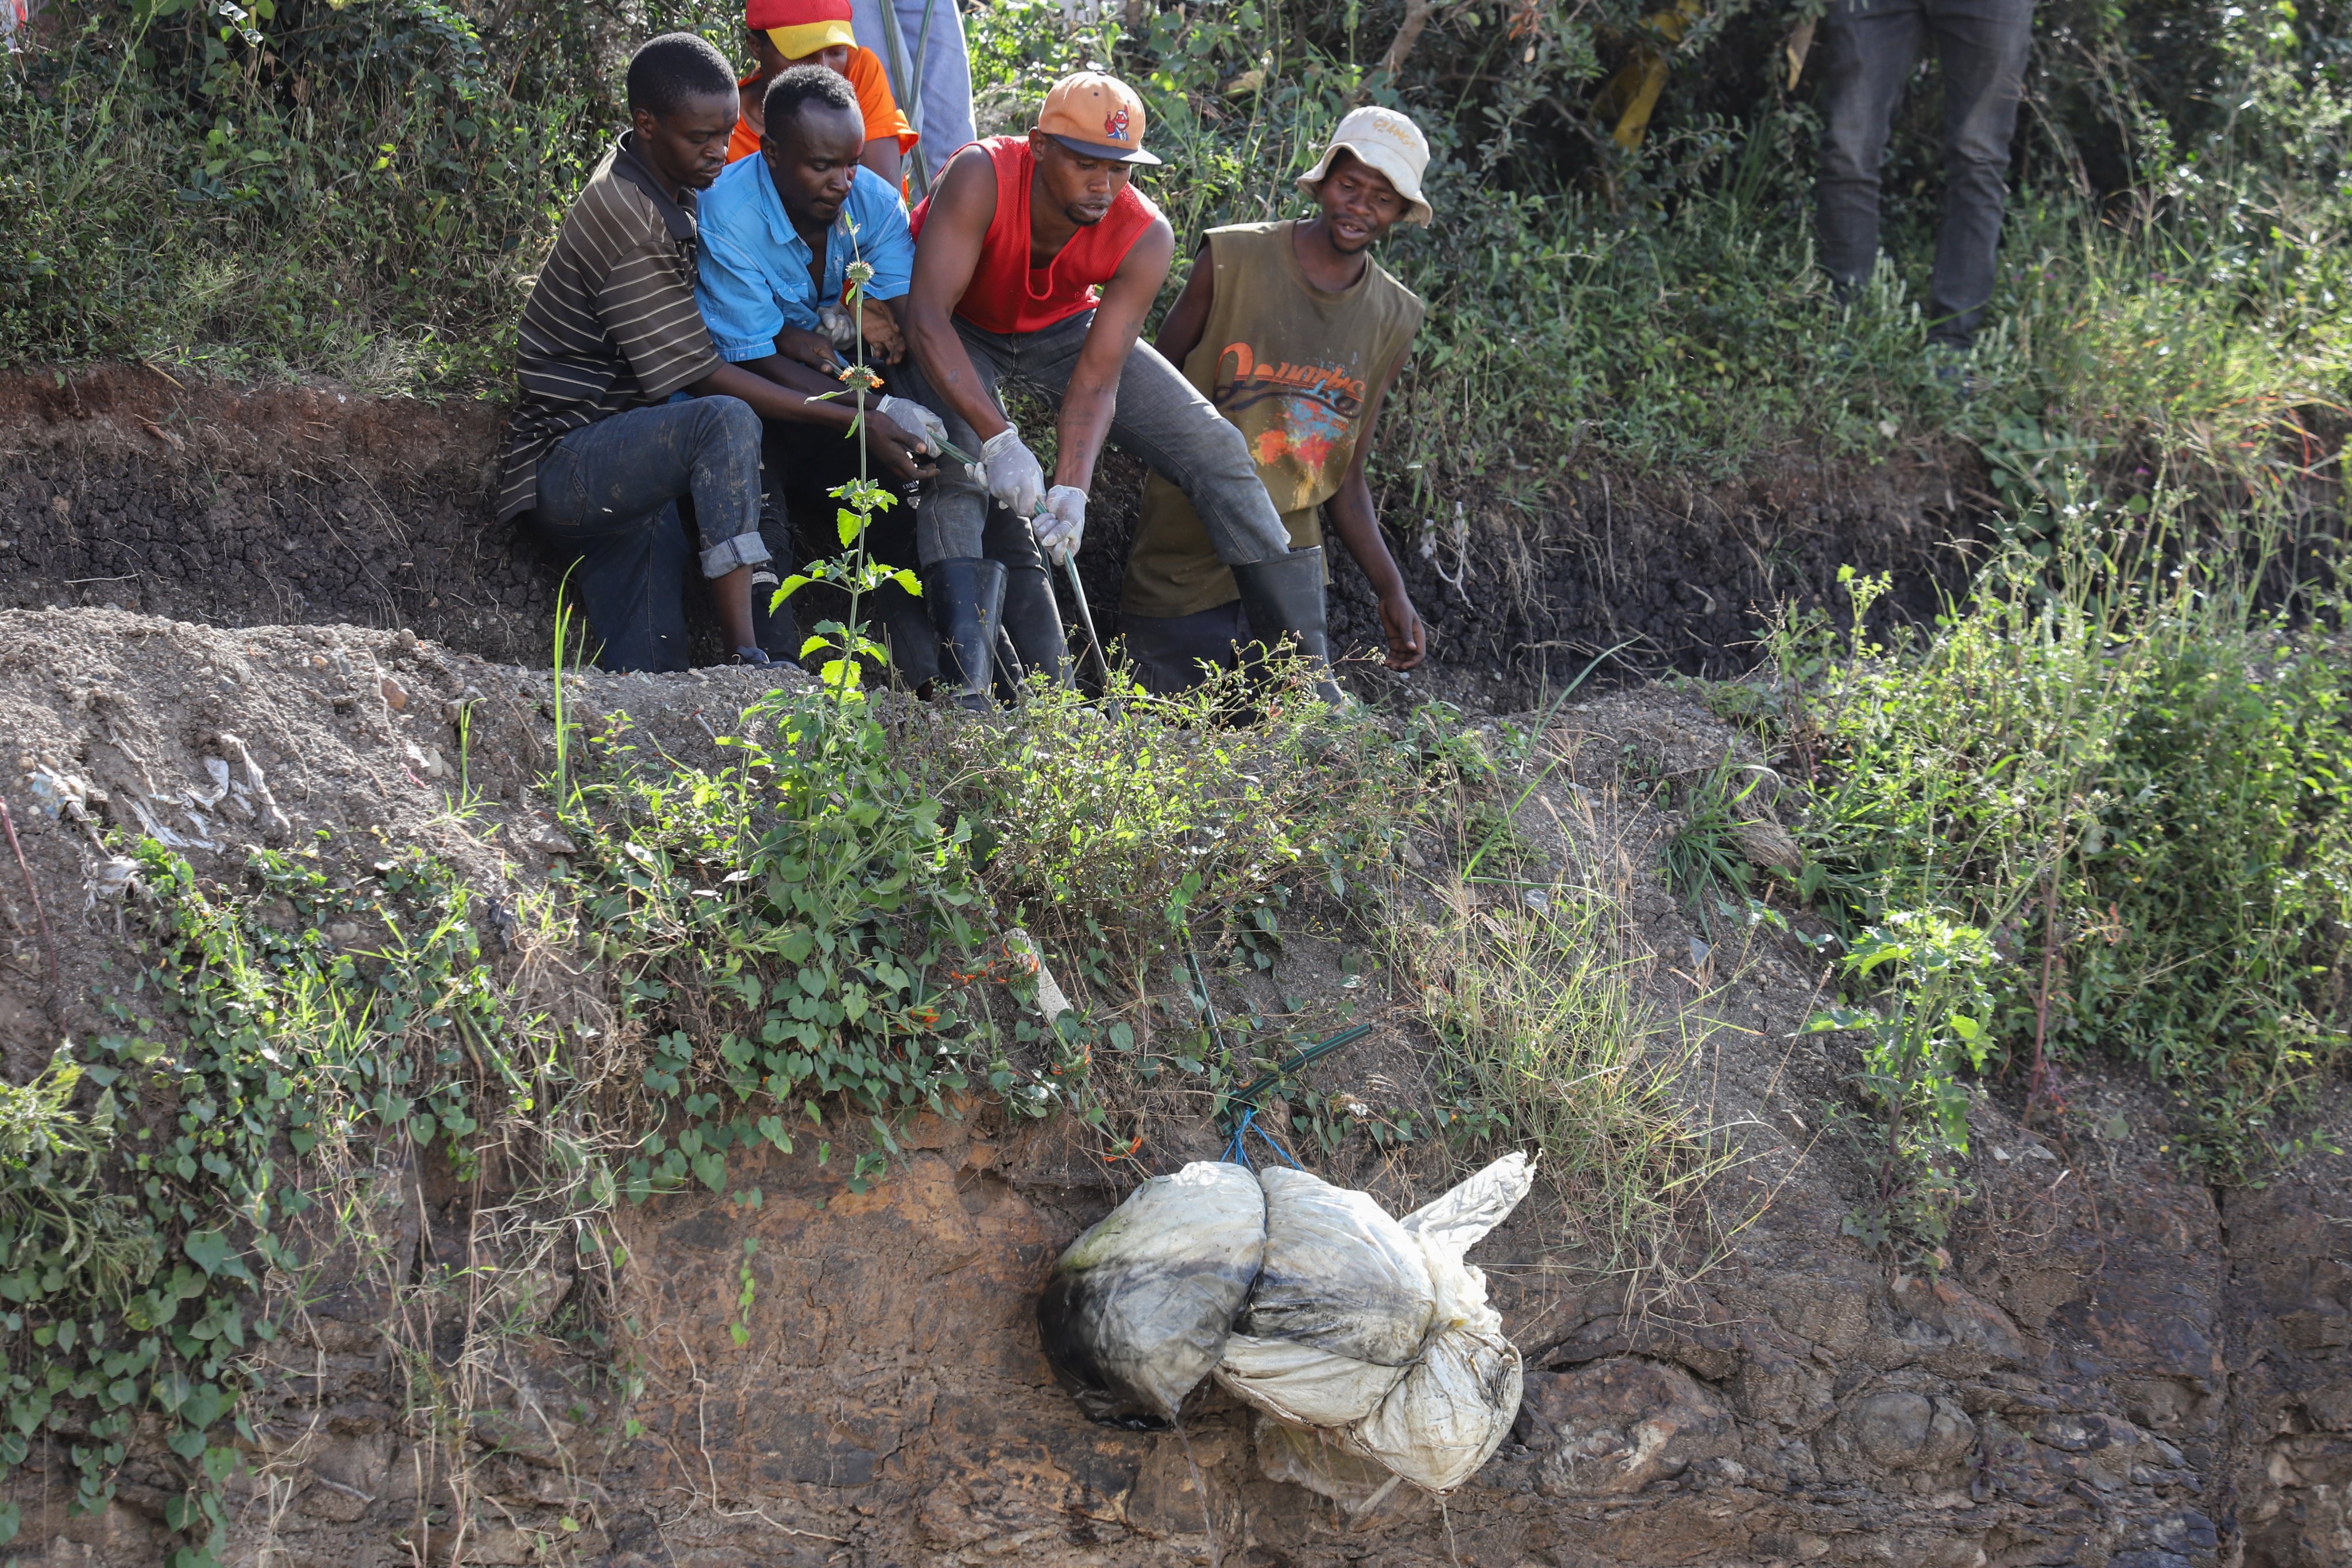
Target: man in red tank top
(1036, 262)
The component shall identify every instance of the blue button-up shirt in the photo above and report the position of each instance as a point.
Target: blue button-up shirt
(754, 274)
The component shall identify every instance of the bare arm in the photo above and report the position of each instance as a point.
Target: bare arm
(963, 203)
(881, 155)
(1180, 329)
(1092, 396)
(1359, 528)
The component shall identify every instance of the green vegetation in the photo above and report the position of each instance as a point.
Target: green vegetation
(155, 1246)
(364, 189)
(2103, 805)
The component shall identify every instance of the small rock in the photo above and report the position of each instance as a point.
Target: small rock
(1768, 846)
(395, 696)
(549, 839)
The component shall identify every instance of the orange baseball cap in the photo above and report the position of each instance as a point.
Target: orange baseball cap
(799, 28)
(1096, 116)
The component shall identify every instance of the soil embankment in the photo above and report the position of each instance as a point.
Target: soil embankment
(307, 505)
(2121, 1369)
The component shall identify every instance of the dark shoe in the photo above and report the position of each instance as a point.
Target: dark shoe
(1032, 622)
(1173, 654)
(1284, 601)
(1947, 363)
(776, 631)
(966, 595)
(752, 655)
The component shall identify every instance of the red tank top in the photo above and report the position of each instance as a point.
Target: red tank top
(1006, 296)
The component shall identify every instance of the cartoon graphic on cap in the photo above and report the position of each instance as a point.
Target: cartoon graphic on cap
(1081, 102)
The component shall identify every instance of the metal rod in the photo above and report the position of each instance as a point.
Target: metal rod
(1087, 616)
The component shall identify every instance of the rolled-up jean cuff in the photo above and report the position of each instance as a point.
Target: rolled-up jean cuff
(743, 550)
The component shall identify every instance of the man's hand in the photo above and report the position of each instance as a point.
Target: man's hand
(811, 349)
(1408, 642)
(1016, 478)
(900, 453)
(879, 326)
(909, 414)
(1062, 524)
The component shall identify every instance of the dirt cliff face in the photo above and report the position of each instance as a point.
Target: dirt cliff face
(2120, 1369)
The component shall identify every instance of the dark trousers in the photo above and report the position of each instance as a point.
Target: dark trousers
(608, 497)
(1869, 49)
(1169, 651)
(805, 464)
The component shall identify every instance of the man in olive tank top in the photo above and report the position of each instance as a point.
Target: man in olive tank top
(1035, 261)
(1294, 333)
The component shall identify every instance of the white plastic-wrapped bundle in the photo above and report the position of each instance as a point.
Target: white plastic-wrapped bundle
(1339, 1274)
(1139, 1309)
(1436, 1415)
(1366, 1335)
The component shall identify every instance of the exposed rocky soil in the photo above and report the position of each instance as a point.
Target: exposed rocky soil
(2120, 1369)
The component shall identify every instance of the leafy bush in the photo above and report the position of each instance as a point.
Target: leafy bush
(163, 1266)
(801, 925)
(2137, 785)
(1160, 814)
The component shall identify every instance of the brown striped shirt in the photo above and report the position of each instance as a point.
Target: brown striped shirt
(611, 323)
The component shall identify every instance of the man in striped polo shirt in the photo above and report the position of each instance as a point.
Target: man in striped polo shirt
(600, 450)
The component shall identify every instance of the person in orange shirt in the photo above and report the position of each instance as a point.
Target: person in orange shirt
(787, 33)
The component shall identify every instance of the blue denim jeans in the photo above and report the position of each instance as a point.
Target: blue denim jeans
(1869, 49)
(608, 496)
(1160, 418)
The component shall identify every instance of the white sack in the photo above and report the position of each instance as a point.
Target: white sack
(1138, 1308)
(1449, 1414)
(1301, 1384)
(1463, 1214)
(1339, 1274)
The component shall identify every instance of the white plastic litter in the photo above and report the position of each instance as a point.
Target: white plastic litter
(1462, 1215)
(1443, 1416)
(1459, 1400)
(1139, 1308)
(1340, 1274)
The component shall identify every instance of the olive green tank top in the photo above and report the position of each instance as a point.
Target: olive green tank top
(1289, 364)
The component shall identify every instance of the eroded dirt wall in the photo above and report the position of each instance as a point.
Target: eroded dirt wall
(2121, 1369)
(262, 505)
(296, 504)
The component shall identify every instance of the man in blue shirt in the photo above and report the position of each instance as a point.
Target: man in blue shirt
(778, 233)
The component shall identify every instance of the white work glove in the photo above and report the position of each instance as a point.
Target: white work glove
(1016, 478)
(915, 419)
(1062, 524)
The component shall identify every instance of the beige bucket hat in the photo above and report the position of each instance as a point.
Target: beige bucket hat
(1385, 141)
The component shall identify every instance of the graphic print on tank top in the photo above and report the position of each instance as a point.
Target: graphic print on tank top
(1311, 422)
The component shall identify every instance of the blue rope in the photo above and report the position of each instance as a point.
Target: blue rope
(1237, 1153)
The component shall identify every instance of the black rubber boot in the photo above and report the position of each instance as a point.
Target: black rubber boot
(966, 595)
(1284, 599)
(1034, 623)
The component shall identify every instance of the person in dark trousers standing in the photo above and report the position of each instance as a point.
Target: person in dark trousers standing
(1295, 333)
(779, 233)
(1869, 49)
(601, 449)
(1036, 262)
